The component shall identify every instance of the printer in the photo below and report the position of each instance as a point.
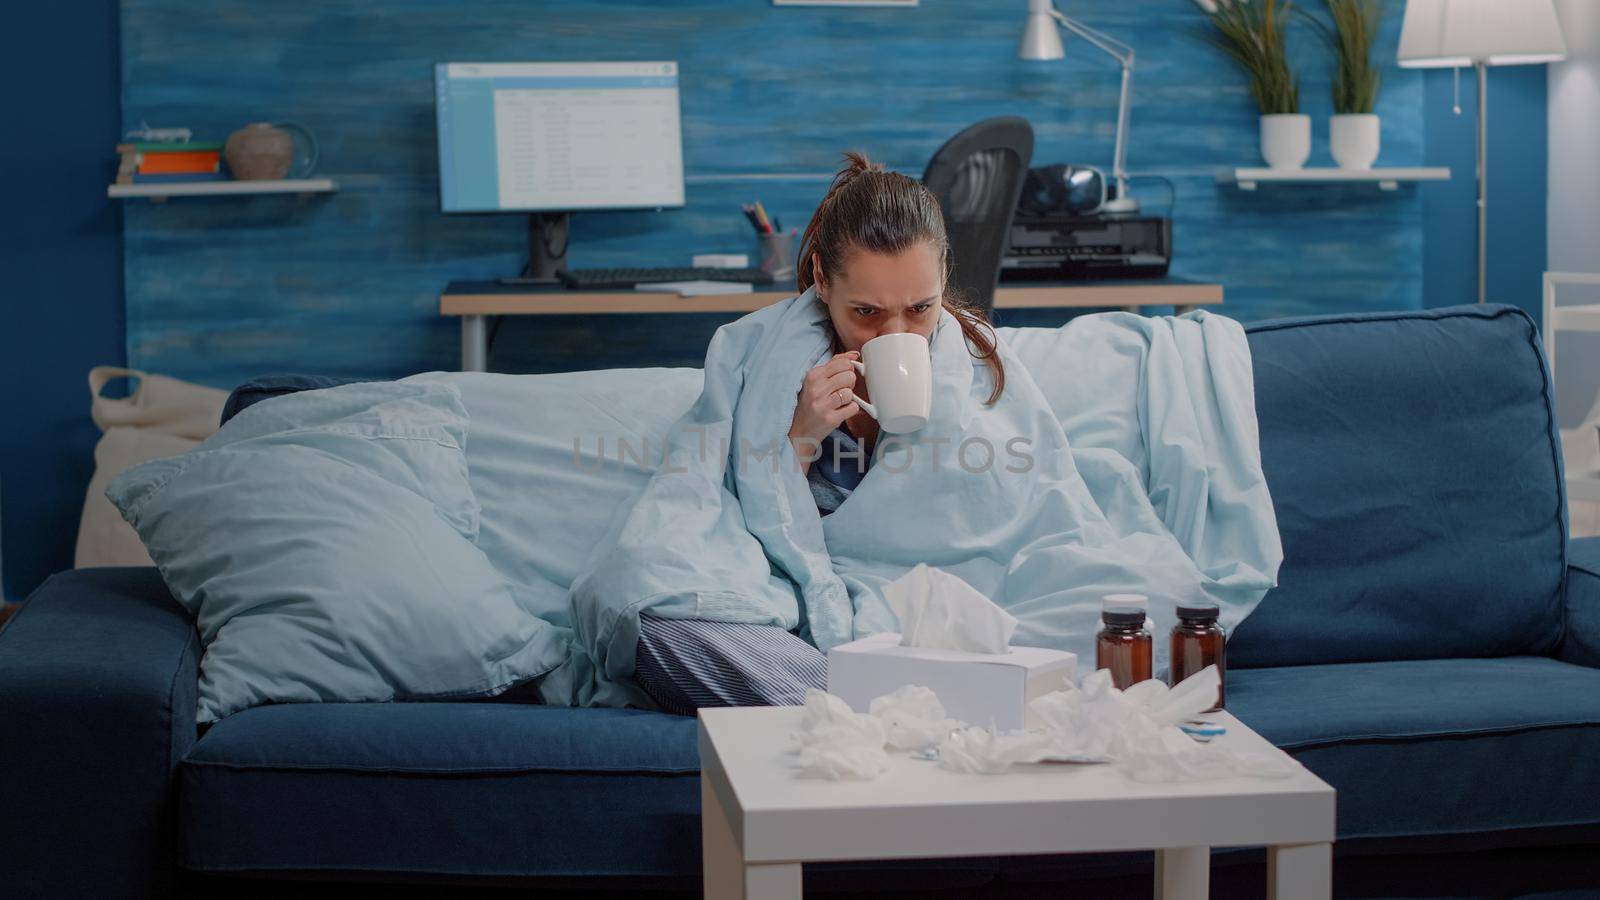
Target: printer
(1070, 224)
(1065, 247)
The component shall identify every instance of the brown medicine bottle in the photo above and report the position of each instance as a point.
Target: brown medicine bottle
(1198, 641)
(1124, 646)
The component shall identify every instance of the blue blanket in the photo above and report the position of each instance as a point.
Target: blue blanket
(1162, 495)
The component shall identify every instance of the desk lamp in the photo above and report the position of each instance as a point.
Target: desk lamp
(1041, 41)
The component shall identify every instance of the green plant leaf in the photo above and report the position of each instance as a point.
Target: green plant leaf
(1253, 35)
(1350, 34)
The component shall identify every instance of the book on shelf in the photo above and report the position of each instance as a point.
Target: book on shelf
(149, 158)
(165, 147)
(170, 177)
(179, 163)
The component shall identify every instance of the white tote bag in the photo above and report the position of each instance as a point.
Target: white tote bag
(161, 417)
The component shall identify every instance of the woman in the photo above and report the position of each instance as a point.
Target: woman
(875, 251)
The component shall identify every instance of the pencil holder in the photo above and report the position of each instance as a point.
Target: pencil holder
(777, 254)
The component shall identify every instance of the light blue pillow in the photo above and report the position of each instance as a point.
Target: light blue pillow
(324, 542)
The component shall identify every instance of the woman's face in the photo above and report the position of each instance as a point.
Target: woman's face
(881, 294)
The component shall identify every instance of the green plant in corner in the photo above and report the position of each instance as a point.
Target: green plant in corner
(1350, 37)
(1253, 33)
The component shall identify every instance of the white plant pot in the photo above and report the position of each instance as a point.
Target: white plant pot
(1353, 138)
(1286, 140)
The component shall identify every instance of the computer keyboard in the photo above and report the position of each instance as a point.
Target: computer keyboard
(626, 278)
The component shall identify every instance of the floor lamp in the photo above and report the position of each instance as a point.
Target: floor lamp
(1480, 33)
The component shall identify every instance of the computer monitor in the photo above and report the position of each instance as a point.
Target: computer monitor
(551, 138)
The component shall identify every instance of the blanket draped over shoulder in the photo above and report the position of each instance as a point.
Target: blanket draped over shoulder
(1162, 494)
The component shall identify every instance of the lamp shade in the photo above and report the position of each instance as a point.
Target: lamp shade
(1448, 33)
(1040, 39)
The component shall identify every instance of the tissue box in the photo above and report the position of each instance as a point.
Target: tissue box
(977, 688)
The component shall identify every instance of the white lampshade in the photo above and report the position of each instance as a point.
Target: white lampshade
(1448, 33)
(1040, 40)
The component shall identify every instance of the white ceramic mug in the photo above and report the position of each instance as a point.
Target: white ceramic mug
(899, 375)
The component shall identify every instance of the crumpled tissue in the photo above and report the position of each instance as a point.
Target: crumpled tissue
(912, 718)
(980, 751)
(1134, 730)
(836, 742)
(941, 611)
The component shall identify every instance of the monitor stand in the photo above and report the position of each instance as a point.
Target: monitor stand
(547, 249)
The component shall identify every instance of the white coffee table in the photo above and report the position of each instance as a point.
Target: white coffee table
(760, 821)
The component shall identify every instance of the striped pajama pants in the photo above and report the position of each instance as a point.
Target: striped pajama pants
(684, 664)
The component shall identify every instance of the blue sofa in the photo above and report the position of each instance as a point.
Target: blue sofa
(1432, 651)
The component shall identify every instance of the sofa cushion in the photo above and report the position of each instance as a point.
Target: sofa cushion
(467, 789)
(1447, 747)
(452, 788)
(1414, 468)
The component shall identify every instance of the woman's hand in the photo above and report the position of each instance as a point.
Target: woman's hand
(826, 400)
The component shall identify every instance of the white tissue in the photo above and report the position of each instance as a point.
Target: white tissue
(837, 742)
(980, 751)
(1135, 730)
(940, 611)
(912, 718)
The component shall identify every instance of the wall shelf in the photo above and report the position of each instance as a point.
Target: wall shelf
(159, 191)
(1386, 179)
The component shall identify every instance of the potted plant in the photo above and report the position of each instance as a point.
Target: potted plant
(1252, 32)
(1353, 130)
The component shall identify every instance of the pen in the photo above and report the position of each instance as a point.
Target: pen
(761, 213)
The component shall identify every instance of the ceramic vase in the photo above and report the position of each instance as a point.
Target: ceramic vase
(1353, 139)
(1286, 140)
(259, 151)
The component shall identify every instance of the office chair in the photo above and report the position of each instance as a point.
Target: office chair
(977, 177)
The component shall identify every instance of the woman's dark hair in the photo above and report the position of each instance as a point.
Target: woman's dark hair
(868, 208)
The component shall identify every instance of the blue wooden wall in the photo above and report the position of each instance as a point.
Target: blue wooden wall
(219, 290)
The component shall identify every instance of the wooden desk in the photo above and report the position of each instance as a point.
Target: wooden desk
(475, 301)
